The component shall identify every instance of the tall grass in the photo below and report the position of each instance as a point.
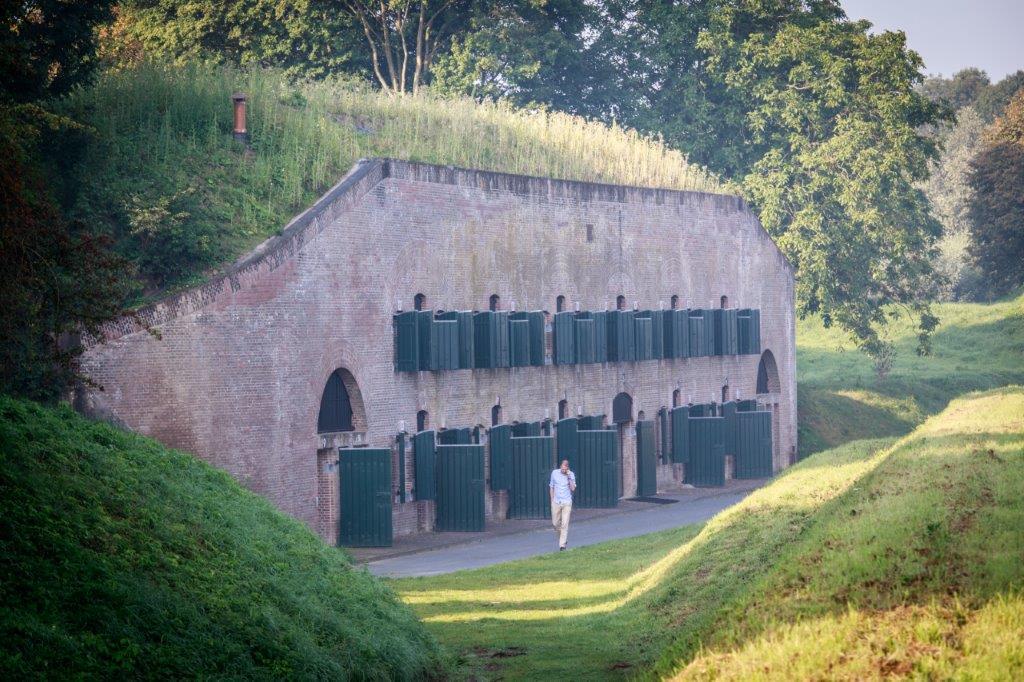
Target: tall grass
(163, 175)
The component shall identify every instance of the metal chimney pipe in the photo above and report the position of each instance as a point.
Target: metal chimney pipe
(239, 133)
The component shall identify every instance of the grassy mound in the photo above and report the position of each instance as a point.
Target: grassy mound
(160, 172)
(976, 347)
(867, 536)
(120, 557)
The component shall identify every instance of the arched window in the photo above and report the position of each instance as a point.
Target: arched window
(641, 416)
(419, 302)
(563, 409)
(768, 374)
(560, 304)
(495, 302)
(622, 409)
(725, 301)
(422, 420)
(677, 398)
(620, 302)
(335, 406)
(495, 415)
(675, 301)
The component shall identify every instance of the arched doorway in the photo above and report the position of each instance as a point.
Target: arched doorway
(767, 374)
(769, 389)
(341, 422)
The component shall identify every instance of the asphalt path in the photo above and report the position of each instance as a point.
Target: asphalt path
(499, 549)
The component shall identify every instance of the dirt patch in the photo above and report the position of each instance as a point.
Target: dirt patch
(506, 652)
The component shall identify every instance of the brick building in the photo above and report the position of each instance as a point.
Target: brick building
(239, 367)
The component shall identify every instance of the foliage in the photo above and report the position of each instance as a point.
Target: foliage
(122, 558)
(868, 531)
(47, 46)
(992, 101)
(950, 197)
(162, 175)
(57, 280)
(307, 38)
(997, 213)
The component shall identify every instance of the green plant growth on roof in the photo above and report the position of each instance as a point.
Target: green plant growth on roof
(162, 175)
(121, 558)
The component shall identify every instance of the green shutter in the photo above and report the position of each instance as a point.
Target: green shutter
(646, 459)
(643, 348)
(519, 337)
(753, 445)
(407, 350)
(584, 340)
(536, 319)
(597, 469)
(424, 322)
(600, 336)
(706, 465)
(666, 439)
(564, 330)
(729, 414)
(444, 345)
(658, 334)
(533, 458)
(567, 441)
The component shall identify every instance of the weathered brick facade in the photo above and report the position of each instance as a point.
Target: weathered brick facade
(237, 369)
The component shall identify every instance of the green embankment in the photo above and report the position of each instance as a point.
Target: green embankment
(976, 347)
(158, 170)
(119, 557)
(867, 560)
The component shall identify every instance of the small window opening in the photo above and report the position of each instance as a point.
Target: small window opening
(560, 304)
(677, 398)
(419, 302)
(590, 232)
(422, 420)
(725, 301)
(675, 301)
(563, 409)
(620, 302)
(640, 416)
(725, 393)
(495, 415)
(495, 302)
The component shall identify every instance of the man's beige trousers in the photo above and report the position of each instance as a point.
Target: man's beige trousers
(560, 520)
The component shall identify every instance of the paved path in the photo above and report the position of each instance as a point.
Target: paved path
(496, 550)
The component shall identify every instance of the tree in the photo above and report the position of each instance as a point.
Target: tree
(306, 38)
(950, 196)
(994, 99)
(818, 121)
(997, 213)
(962, 90)
(405, 36)
(47, 46)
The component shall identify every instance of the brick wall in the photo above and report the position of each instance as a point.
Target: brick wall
(236, 372)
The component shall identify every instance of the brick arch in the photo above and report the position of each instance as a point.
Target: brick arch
(768, 374)
(354, 397)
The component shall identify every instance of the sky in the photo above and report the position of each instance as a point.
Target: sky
(953, 34)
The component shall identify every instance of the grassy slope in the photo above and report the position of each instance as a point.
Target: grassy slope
(976, 346)
(161, 174)
(917, 571)
(890, 558)
(118, 556)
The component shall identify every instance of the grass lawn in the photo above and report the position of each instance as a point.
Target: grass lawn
(976, 347)
(867, 560)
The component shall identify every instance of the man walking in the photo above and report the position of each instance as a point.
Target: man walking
(560, 489)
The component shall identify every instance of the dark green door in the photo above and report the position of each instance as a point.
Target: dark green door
(533, 459)
(499, 442)
(706, 466)
(680, 435)
(364, 475)
(597, 469)
(567, 444)
(646, 460)
(423, 462)
(460, 488)
(753, 445)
